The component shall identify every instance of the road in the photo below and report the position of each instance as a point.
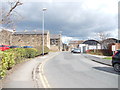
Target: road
(68, 70)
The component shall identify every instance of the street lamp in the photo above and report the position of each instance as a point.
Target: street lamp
(44, 9)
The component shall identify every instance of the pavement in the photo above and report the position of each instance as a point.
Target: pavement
(23, 76)
(98, 59)
(68, 70)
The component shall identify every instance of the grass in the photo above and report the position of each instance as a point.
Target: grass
(108, 58)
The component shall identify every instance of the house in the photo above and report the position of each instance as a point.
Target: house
(65, 47)
(5, 36)
(89, 44)
(107, 43)
(31, 38)
(75, 43)
(116, 46)
(55, 42)
(24, 38)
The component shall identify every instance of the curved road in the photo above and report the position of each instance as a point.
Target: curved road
(68, 70)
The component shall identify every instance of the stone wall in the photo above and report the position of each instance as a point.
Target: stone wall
(9, 38)
(30, 40)
(5, 37)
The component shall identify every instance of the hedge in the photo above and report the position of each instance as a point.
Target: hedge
(11, 57)
(103, 52)
(39, 52)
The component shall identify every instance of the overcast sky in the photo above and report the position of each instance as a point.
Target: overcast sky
(75, 18)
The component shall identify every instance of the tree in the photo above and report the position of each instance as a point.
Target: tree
(102, 36)
(103, 39)
(8, 15)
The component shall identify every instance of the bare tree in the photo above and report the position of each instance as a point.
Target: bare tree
(10, 16)
(102, 36)
(103, 39)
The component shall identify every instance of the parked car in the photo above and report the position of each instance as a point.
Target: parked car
(116, 61)
(27, 47)
(15, 47)
(72, 50)
(4, 47)
(76, 50)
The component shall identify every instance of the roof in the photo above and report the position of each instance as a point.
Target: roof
(54, 36)
(3, 29)
(91, 42)
(31, 32)
(109, 40)
(76, 42)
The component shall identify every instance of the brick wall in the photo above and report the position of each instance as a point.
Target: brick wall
(117, 46)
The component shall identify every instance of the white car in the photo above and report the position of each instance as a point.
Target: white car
(76, 50)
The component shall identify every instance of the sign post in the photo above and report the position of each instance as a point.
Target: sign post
(113, 49)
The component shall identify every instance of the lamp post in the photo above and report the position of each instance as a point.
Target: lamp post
(60, 47)
(44, 9)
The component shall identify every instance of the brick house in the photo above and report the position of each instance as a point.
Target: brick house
(117, 45)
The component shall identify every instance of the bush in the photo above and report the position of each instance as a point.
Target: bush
(14, 56)
(103, 52)
(6, 63)
(19, 53)
(39, 50)
(31, 52)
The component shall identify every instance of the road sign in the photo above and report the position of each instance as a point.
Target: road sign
(113, 48)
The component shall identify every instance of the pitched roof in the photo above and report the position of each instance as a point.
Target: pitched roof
(31, 32)
(3, 29)
(76, 42)
(55, 36)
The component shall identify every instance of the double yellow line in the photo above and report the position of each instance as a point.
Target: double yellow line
(43, 78)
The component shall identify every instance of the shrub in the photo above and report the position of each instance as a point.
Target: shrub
(19, 53)
(31, 52)
(14, 56)
(103, 52)
(39, 49)
(6, 63)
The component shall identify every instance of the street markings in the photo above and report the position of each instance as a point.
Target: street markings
(43, 78)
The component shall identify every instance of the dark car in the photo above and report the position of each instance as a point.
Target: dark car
(27, 47)
(15, 47)
(116, 61)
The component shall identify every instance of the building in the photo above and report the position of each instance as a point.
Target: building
(31, 38)
(65, 47)
(107, 43)
(5, 36)
(25, 38)
(75, 43)
(89, 44)
(56, 42)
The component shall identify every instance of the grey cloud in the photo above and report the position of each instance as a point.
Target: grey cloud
(71, 18)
